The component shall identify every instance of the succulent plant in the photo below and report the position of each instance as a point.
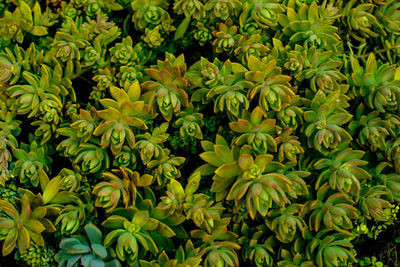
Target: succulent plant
(123, 52)
(128, 75)
(219, 156)
(165, 168)
(70, 180)
(120, 114)
(105, 79)
(189, 123)
(273, 88)
(10, 65)
(331, 250)
(343, 171)
(183, 256)
(203, 211)
(150, 146)
(149, 13)
(32, 164)
(198, 132)
(69, 146)
(324, 120)
(78, 251)
(66, 48)
(290, 115)
(290, 260)
(373, 205)
(258, 251)
(332, 211)
(225, 36)
(381, 89)
(37, 256)
(191, 8)
(23, 228)
(218, 245)
(90, 158)
(110, 193)
(9, 192)
(42, 95)
(322, 70)
(388, 16)
(222, 8)
(130, 231)
(360, 20)
(310, 26)
(202, 34)
(259, 186)
(285, 223)
(168, 91)
(71, 218)
(390, 181)
(264, 13)
(250, 45)
(230, 92)
(372, 131)
(85, 124)
(288, 145)
(256, 132)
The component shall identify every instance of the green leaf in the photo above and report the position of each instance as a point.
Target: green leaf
(52, 188)
(223, 153)
(97, 263)
(26, 11)
(99, 250)
(182, 28)
(19, 154)
(141, 218)
(145, 180)
(193, 183)
(39, 30)
(37, 13)
(228, 170)
(64, 197)
(211, 158)
(397, 74)
(114, 221)
(43, 179)
(10, 241)
(78, 249)
(94, 234)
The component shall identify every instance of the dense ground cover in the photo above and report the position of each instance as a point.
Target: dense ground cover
(199, 133)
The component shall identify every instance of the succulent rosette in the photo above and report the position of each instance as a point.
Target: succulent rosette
(343, 171)
(123, 52)
(264, 12)
(10, 66)
(149, 13)
(132, 233)
(309, 25)
(191, 8)
(167, 89)
(273, 88)
(256, 131)
(323, 123)
(222, 8)
(225, 36)
(189, 123)
(121, 113)
(32, 164)
(377, 83)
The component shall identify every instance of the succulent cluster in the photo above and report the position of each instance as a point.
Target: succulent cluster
(197, 132)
